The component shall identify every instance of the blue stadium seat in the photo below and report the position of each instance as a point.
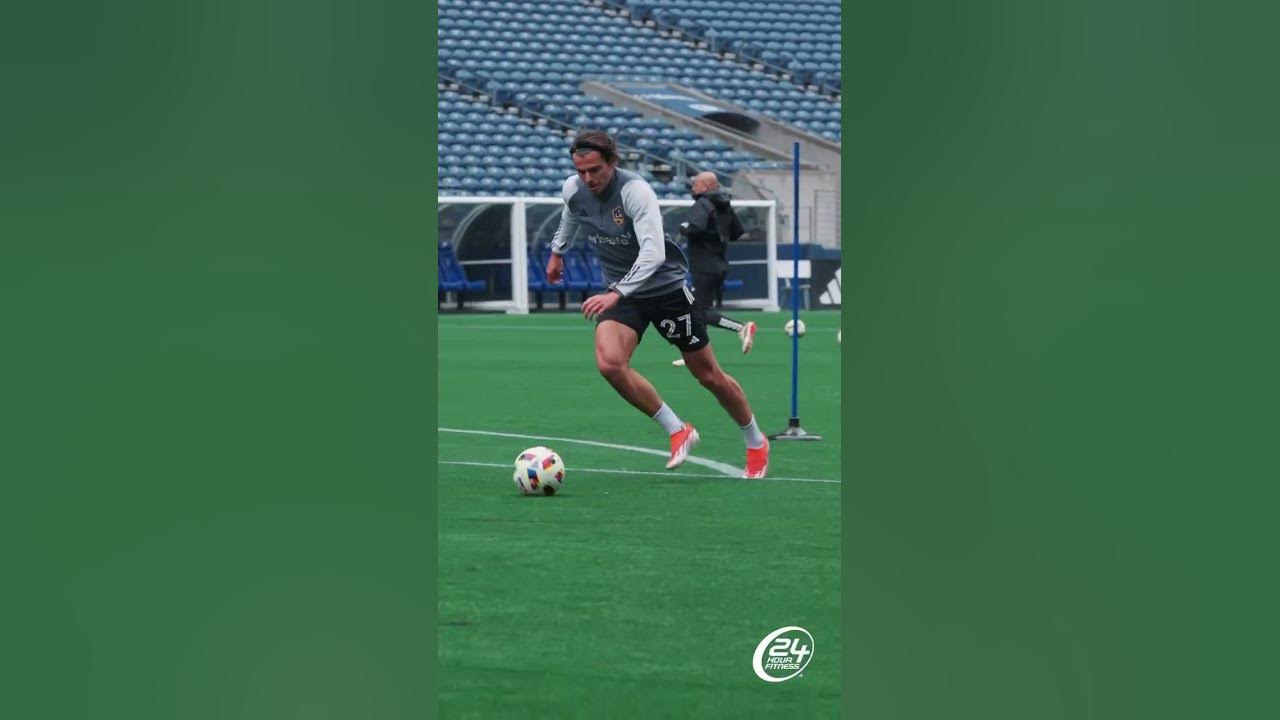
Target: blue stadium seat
(570, 282)
(578, 273)
(594, 268)
(537, 272)
(451, 277)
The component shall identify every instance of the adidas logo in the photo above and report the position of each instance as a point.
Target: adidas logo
(831, 296)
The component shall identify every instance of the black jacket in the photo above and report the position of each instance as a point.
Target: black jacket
(712, 226)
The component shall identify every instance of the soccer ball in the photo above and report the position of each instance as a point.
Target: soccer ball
(539, 471)
(791, 328)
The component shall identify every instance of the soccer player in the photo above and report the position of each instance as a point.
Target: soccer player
(617, 212)
(712, 226)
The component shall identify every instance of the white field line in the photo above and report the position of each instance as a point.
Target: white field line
(634, 472)
(723, 468)
(586, 327)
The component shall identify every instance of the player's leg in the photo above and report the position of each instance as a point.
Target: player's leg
(702, 364)
(615, 344)
(704, 290)
(681, 324)
(616, 341)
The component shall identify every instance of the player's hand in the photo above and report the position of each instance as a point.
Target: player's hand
(555, 268)
(597, 304)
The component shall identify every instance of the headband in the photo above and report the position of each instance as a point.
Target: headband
(578, 147)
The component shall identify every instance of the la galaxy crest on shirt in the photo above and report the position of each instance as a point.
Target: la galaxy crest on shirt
(618, 217)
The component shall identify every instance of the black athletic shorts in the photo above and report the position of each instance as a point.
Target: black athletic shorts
(673, 314)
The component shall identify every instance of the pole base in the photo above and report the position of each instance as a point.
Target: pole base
(794, 432)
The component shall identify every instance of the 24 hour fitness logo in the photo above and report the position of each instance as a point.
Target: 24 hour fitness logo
(783, 654)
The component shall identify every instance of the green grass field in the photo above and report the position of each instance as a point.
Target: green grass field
(635, 592)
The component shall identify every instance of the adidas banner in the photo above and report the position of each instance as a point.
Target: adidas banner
(826, 282)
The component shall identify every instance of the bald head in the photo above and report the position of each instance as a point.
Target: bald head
(705, 182)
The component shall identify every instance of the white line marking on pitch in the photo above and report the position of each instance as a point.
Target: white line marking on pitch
(585, 326)
(634, 472)
(725, 468)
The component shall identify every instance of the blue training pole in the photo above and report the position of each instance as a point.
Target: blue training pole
(794, 431)
(795, 281)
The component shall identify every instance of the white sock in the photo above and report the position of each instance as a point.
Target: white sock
(666, 417)
(728, 324)
(751, 433)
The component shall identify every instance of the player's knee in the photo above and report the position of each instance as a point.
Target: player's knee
(711, 378)
(611, 368)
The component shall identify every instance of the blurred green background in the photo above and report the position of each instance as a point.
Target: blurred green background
(1059, 285)
(217, 360)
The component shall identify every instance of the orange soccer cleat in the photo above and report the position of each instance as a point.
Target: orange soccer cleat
(748, 335)
(757, 461)
(682, 441)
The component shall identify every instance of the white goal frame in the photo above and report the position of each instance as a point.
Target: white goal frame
(519, 242)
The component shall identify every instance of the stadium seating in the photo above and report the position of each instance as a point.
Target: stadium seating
(451, 276)
(483, 151)
(479, 147)
(593, 265)
(572, 280)
(578, 271)
(538, 284)
(801, 38)
(520, 54)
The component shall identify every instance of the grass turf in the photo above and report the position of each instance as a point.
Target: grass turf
(631, 595)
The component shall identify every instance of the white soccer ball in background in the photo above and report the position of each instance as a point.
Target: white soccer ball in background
(539, 471)
(791, 328)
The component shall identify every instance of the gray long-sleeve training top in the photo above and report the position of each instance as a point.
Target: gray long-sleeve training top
(624, 223)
